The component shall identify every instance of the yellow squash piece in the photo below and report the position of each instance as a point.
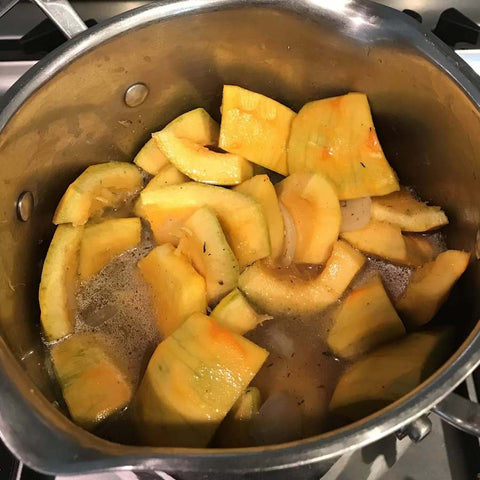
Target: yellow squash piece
(204, 244)
(201, 164)
(311, 201)
(402, 209)
(196, 125)
(192, 381)
(255, 127)
(336, 136)
(386, 241)
(234, 431)
(365, 320)
(101, 186)
(102, 242)
(58, 283)
(169, 232)
(261, 189)
(279, 293)
(150, 158)
(177, 290)
(241, 217)
(386, 374)
(168, 175)
(93, 383)
(235, 313)
(429, 287)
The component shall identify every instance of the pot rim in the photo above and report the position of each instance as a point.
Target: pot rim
(93, 454)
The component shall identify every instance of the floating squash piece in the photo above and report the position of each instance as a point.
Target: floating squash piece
(193, 379)
(386, 241)
(201, 164)
(93, 383)
(241, 217)
(177, 290)
(386, 374)
(402, 209)
(204, 244)
(311, 201)
(234, 431)
(102, 242)
(255, 127)
(58, 283)
(365, 320)
(261, 189)
(235, 313)
(169, 231)
(167, 175)
(279, 293)
(429, 287)
(336, 136)
(196, 125)
(150, 158)
(101, 186)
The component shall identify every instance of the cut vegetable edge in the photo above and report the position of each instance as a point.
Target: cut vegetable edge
(57, 285)
(81, 363)
(255, 127)
(313, 205)
(177, 290)
(261, 189)
(201, 164)
(102, 242)
(203, 242)
(235, 313)
(365, 320)
(241, 217)
(101, 186)
(195, 124)
(430, 286)
(401, 208)
(282, 295)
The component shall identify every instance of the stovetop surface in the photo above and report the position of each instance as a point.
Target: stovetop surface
(446, 454)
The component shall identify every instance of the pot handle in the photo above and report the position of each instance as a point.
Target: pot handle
(60, 12)
(460, 412)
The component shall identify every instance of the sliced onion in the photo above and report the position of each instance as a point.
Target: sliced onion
(279, 420)
(279, 342)
(289, 239)
(355, 213)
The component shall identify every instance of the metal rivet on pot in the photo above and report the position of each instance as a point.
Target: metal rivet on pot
(417, 430)
(25, 204)
(136, 94)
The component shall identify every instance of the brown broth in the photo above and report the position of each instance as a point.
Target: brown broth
(115, 304)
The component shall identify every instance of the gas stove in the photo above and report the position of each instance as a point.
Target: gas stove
(26, 36)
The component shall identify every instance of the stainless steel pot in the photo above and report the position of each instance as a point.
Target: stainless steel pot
(70, 110)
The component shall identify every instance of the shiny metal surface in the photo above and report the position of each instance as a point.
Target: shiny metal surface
(11, 72)
(6, 5)
(460, 413)
(25, 205)
(68, 112)
(136, 94)
(26, 15)
(63, 15)
(417, 430)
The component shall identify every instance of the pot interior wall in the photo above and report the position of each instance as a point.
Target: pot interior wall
(427, 126)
